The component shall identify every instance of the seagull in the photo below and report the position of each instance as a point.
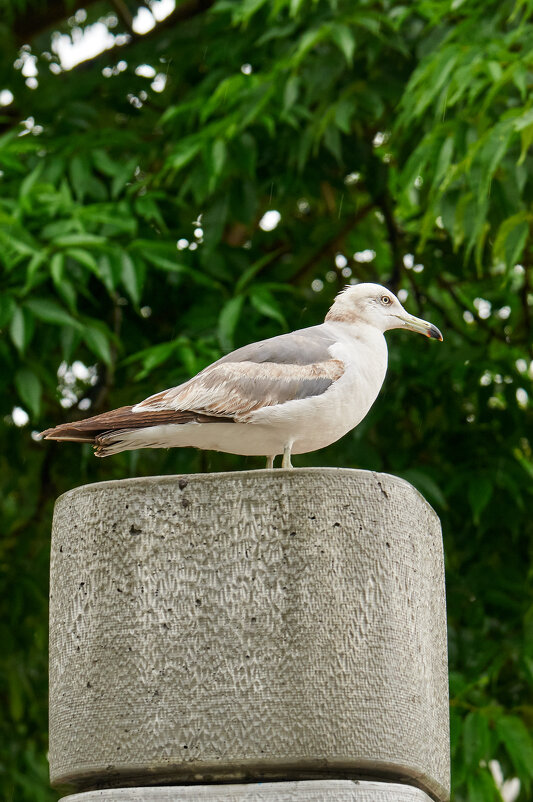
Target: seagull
(290, 394)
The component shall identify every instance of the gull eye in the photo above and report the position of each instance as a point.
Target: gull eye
(385, 300)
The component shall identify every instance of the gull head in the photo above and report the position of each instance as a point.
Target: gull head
(374, 305)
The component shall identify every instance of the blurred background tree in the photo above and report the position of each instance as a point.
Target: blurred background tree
(214, 177)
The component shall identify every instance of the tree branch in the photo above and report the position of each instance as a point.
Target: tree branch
(393, 235)
(182, 13)
(31, 22)
(333, 243)
(26, 27)
(124, 14)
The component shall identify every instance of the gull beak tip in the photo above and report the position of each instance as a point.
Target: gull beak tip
(434, 333)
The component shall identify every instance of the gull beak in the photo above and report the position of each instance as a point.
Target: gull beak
(420, 326)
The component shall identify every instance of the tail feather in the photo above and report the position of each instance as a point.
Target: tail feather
(112, 432)
(85, 431)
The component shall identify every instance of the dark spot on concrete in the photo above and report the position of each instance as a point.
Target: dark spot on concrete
(185, 503)
(336, 523)
(134, 530)
(387, 545)
(384, 492)
(312, 517)
(198, 602)
(185, 746)
(292, 534)
(89, 685)
(82, 584)
(253, 619)
(61, 549)
(119, 590)
(182, 484)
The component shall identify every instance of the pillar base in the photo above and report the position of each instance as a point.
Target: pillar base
(305, 791)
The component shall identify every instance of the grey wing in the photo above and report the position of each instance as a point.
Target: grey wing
(285, 368)
(303, 347)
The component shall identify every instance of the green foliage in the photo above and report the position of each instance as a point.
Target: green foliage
(398, 133)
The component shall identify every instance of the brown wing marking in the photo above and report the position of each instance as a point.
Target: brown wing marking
(236, 389)
(85, 431)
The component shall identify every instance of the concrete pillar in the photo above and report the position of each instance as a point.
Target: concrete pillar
(280, 629)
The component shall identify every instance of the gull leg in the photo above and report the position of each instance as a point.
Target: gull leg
(286, 462)
(270, 463)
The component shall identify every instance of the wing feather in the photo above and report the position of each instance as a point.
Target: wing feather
(285, 368)
(235, 389)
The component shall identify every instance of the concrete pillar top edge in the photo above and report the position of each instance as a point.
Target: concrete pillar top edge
(269, 477)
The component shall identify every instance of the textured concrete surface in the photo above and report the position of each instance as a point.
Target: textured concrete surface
(280, 625)
(311, 791)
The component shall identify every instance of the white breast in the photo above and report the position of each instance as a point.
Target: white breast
(318, 421)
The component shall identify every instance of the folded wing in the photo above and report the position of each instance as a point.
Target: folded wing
(286, 368)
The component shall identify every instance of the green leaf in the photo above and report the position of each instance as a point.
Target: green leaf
(57, 267)
(7, 308)
(21, 328)
(153, 357)
(227, 321)
(526, 138)
(80, 175)
(425, 485)
(308, 41)
(105, 164)
(79, 241)
(265, 303)
(108, 271)
(29, 389)
(344, 39)
(184, 153)
(129, 277)
(479, 494)
(123, 176)
(481, 787)
(50, 312)
(290, 92)
(476, 739)
(517, 741)
(511, 238)
(84, 258)
(214, 221)
(295, 6)
(30, 181)
(99, 344)
(218, 156)
(245, 9)
(255, 268)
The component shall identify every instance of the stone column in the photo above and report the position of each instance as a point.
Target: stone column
(263, 635)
